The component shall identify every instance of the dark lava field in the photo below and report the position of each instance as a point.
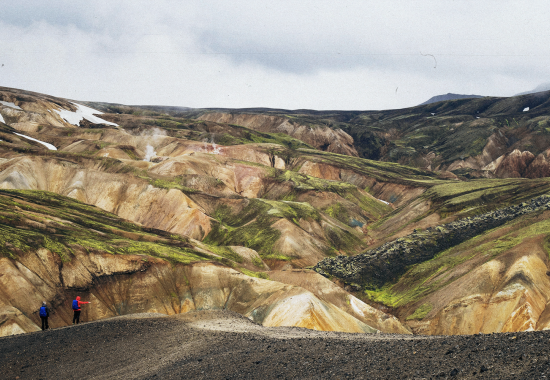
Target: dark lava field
(225, 345)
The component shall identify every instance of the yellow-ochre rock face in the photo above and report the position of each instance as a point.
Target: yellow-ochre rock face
(329, 292)
(128, 197)
(117, 285)
(503, 295)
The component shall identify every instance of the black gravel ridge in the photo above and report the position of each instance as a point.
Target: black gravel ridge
(177, 348)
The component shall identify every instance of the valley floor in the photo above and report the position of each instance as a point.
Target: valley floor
(225, 345)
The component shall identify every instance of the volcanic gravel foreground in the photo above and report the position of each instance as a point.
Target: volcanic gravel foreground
(225, 345)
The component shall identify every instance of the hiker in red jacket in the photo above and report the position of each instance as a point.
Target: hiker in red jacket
(76, 308)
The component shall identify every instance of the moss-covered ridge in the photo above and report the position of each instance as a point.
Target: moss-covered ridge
(483, 195)
(252, 227)
(377, 267)
(460, 199)
(378, 170)
(37, 219)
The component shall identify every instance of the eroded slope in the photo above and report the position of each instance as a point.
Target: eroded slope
(481, 274)
(54, 247)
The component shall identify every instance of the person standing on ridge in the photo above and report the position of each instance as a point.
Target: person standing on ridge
(44, 314)
(76, 308)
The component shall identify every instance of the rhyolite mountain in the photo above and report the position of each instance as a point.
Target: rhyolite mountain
(487, 137)
(431, 219)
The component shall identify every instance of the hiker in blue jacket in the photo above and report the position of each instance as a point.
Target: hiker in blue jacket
(44, 314)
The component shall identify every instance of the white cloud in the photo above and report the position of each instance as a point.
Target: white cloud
(287, 54)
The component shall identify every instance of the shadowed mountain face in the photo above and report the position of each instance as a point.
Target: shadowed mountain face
(449, 96)
(167, 209)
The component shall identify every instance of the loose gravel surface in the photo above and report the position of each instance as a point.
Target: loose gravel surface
(225, 345)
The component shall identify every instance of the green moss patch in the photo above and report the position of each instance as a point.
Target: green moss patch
(252, 227)
(420, 312)
(483, 195)
(382, 171)
(36, 219)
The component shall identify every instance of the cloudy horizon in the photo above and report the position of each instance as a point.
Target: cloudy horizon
(353, 55)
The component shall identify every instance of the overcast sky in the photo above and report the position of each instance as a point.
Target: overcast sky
(317, 54)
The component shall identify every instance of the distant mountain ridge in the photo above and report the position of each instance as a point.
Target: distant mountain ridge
(449, 96)
(540, 88)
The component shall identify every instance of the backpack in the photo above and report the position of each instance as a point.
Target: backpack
(43, 312)
(75, 305)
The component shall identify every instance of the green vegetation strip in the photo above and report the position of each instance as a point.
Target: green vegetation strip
(36, 219)
(378, 267)
(425, 278)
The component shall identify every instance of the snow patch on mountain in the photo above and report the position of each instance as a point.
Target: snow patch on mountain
(47, 145)
(82, 112)
(12, 105)
(2, 119)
